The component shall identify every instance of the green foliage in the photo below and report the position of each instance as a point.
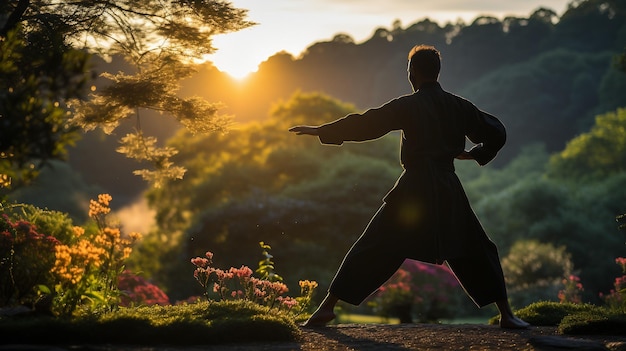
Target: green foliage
(479, 182)
(30, 235)
(260, 183)
(52, 223)
(534, 271)
(563, 214)
(594, 155)
(570, 81)
(26, 259)
(594, 322)
(266, 266)
(35, 83)
(159, 39)
(64, 269)
(202, 323)
(172, 35)
(548, 313)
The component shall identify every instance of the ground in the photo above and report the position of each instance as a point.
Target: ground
(396, 337)
(373, 337)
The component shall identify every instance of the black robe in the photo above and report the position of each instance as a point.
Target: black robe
(426, 216)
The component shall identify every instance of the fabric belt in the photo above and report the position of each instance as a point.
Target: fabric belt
(434, 164)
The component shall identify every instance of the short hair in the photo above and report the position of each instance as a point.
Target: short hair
(426, 60)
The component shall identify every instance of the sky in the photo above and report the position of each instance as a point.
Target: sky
(293, 25)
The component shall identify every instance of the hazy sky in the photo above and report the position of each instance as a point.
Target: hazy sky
(293, 25)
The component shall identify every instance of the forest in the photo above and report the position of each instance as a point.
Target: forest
(549, 200)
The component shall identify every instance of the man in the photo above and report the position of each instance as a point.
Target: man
(426, 216)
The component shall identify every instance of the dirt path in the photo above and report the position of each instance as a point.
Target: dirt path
(372, 337)
(377, 337)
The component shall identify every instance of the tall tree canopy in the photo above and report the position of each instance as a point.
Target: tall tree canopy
(161, 40)
(39, 71)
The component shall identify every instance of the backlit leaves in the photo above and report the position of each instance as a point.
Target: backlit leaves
(160, 39)
(143, 148)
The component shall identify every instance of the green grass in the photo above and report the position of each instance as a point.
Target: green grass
(345, 318)
(572, 318)
(603, 322)
(204, 323)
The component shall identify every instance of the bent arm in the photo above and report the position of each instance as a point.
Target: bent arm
(489, 134)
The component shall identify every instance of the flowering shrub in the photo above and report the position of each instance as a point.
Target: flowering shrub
(239, 284)
(420, 291)
(572, 291)
(26, 258)
(616, 299)
(87, 269)
(136, 291)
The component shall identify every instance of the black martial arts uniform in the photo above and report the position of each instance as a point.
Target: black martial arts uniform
(426, 216)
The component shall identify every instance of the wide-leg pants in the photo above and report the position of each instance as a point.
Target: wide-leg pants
(379, 252)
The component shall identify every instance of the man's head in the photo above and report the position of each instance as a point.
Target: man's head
(424, 65)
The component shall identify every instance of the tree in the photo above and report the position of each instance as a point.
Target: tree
(160, 40)
(534, 271)
(596, 154)
(38, 73)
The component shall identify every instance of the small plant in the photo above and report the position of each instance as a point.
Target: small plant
(26, 258)
(572, 291)
(239, 284)
(616, 299)
(87, 269)
(266, 266)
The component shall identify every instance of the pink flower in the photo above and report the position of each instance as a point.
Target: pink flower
(200, 262)
(288, 301)
(139, 291)
(243, 272)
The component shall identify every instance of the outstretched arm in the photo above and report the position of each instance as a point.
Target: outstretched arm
(305, 130)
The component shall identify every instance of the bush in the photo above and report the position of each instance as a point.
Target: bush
(419, 292)
(26, 258)
(534, 271)
(548, 313)
(599, 321)
(203, 323)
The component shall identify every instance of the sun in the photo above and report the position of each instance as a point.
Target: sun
(238, 54)
(234, 65)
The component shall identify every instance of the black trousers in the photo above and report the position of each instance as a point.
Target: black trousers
(378, 253)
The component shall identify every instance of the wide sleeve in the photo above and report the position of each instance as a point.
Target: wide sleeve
(489, 135)
(372, 124)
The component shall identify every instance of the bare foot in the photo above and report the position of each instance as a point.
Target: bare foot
(513, 322)
(319, 319)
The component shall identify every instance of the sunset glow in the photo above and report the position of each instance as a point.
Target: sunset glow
(284, 25)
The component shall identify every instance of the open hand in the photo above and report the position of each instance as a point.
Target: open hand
(304, 130)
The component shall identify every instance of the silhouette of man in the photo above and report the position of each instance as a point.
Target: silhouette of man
(426, 216)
